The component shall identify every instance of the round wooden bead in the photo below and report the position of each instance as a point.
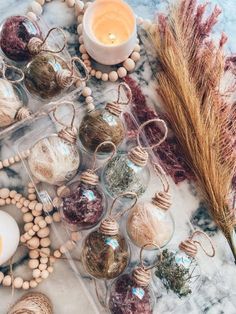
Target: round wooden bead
(80, 29)
(17, 158)
(98, 74)
(6, 281)
(12, 194)
(4, 193)
(45, 242)
(86, 92)
(70, 245)
(33, 17)
(28, 217)
(33, 254)
(75, 236)
(42, 224)
(31, 232)
(34, 243)
(105, 77)
(18, 205)
(56, 217)
(113, 76)
(45, 274)
(6, 163)
(44, 260)
(41, 2)
(44, 232)
(8, 201)
(11, 160)
(36, 273)
(63, 249)
(45, 252)
(36, 213)
(32, 197)
(70, 3)
(26, 203)
(36, 228)
(27, 236)
(129, 64)
(93, 72)
(25, 285)
(28, 226)
(80, 18)
(36, 8)
(82, 49)
(85, 56)
(1, 277)
(1, 165)
(139, 20)
(137, 48)
(38, 219)
(39, 207)
(48, 219)
(33, 263)
(57, 254)
(122, 72)
(38, 280)
(42, 267)
(81, 39)
(135, 56)
(24, 209)
(79, 6)
(18, 282)
(89, 99)
(90, 107)
(17, 197)
(2, 202)
(31, 190)
(33, 283)
(32, 204)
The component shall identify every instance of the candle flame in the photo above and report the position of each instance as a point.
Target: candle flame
(112, 37)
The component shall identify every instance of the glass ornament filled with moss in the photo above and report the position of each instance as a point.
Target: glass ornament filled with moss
(100, 125)
(55, 159)
(129, 171)
(151, 221)
(105, 252)
(178, 270)
(12, 107)
(83, 203)
(16, 37)
(132, 292)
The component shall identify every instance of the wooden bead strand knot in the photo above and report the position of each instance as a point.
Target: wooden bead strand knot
(189, 246)
(89, 177)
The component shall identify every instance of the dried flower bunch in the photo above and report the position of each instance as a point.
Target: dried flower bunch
(190, 70)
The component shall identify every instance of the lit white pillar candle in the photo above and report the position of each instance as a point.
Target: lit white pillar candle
(9, 237)
(109, 31)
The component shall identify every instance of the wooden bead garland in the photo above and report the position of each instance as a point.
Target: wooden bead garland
(35, 237)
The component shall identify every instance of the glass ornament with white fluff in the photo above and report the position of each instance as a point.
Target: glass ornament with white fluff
(55, 159)
(9, 237)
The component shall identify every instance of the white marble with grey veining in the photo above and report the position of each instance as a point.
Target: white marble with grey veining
(217, 292)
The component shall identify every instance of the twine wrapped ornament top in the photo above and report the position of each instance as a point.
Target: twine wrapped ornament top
(11, 107)
(108, 240)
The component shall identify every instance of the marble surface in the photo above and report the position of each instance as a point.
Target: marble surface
(67, 291)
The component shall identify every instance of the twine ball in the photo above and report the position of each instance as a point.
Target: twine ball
(32, 303)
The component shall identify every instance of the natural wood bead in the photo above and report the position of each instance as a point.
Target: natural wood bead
(2, 202)
(137, 48)
(25, 285)
(50, 269)
(48, 219)
(33, 254)
(87, 4)
(44, 252)
(17, 157)
(32, 197)
(32, 204)
(19, 205)
(22, 199)
(139, 20)
(42, 267)
(1, 277)
(56, 202)
(36, 8)
(45, 242)
(122, 72)
(6, 163)
(87, 62)
(36, 273)
(12, 194)
(44, 232)
(22, 239)
(41, 2)
(24, 209)
(63, 249)
(17, 197)
(86, 92)
(39, 207)
(85, 56)
(80, 29)
(43, 260)
(36, 213)
(25, 154)
(135, 56)
(70, 3)
(57, 254)
(70, 245)
(27, 236)
(89, 100)
(36, 228)
(75, 236)
(28, 217)
(47, 207)
(38, 219)
(90, 107)
(80, 18)
(98, 74)
(31, 232)
(56, 217)
(79, 6)
(38, 280)
(1, 165)
(13, 201)
(93, 72)
(129, 64)
(33, 243)
(7, 281)
(45, 274)
(4, 193)
(11, 160)
(31, 190)
(42, 224)
(105, 77)
(26, 203)
(113, 76)
(33, 283)
(82, 49)
(18, 282)
(33, 17)
(8, 201)
(81, 39)
(33, 263)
